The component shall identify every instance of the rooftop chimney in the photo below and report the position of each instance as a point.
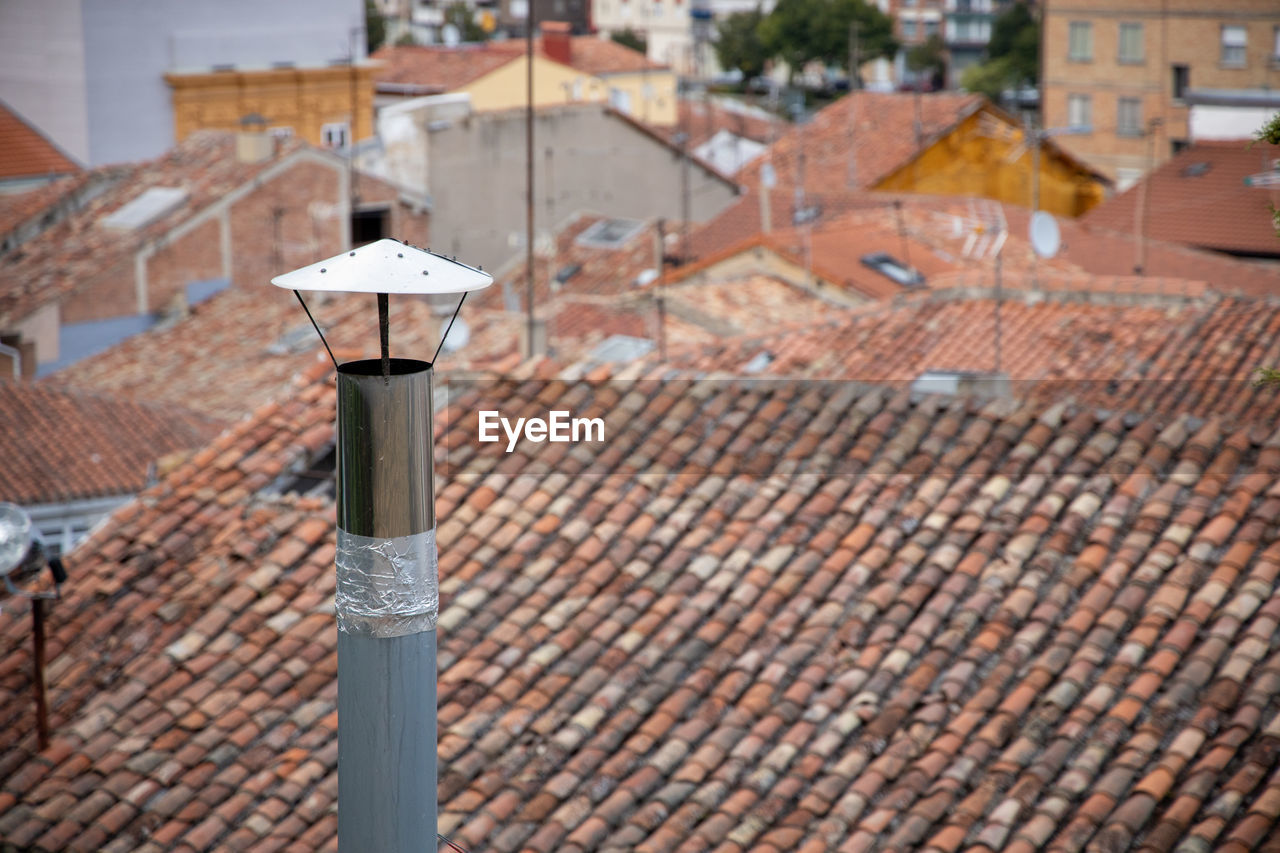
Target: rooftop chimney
(557, 41)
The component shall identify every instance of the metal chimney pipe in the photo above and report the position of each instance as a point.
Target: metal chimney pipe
(387, 603)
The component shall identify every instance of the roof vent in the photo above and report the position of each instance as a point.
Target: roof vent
(891, 267)
(621, 348)
(759, 362)
(648, 276)
(610, 233)
(567, 272)
(296, 340)
(1197, 170)
(962, 383)
(154, 204)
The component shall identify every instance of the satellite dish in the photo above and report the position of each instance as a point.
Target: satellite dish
(459, 336)
(768, 177)
(451, 35)
(15, 537)
(1046, 239)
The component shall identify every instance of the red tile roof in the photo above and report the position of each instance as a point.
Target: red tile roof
(77, 249)
(886, 138)
(977, 626)
(703, 119)
(27, 153)
(1155, 354)
(437, 68)
(62, 444)
(1199, 198)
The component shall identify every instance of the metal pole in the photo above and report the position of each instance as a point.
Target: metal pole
(387, 603)
(42, 696)
(528, 177)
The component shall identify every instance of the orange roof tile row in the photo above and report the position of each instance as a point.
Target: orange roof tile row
(63, 444)
(444, 69)
(968, 626)
(1199, 198)
(27, 153)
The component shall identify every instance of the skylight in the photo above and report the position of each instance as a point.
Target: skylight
(891, 267)
(610, 233)
(154, 204)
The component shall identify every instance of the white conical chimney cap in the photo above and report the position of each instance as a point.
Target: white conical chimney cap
(387, 266)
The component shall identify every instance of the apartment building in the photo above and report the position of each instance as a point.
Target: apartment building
(1138, 80)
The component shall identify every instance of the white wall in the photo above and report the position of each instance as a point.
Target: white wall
(1210, 122)
(42, 69)
(90, 73)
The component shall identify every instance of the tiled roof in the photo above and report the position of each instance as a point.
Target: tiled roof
(1105, 255)
(17, 209)
(1103, 252)
(439, 68)
(27, 153)
(1198, 197)
(966, 626)
(240, 349)
(445, 69)
(63, 444)
(702, 119)
(886, 138)
(79, 248)
(600, 56)
(1154, 354)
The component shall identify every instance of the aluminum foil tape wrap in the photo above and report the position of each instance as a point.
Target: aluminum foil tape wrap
(387, 587)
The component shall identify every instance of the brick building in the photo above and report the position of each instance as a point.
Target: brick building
(1145, 77)
(144, 242)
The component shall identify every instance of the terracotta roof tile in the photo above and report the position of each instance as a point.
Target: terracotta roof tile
(789, 727)
(64, 444)
(1199, 198)
(76, 248)
(27, 153)
(437, 68)
(886, 136)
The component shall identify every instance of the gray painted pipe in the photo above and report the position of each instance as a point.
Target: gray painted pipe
(387, 602)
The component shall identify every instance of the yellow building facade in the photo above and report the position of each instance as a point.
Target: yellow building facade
(331, 106)
(649, 96)
(988, 154)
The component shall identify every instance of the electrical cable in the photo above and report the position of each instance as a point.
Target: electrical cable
(446, 840)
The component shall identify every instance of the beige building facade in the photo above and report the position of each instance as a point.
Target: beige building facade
(1128, 76)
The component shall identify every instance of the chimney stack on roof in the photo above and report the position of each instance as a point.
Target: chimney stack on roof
(557, 41)
(253, 143)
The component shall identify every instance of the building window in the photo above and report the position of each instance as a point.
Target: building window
(1080, 42)
(1275, 46)
(1080, 112)
(1234, 41)
(1131, 43)
(334, 134)
(1129, 117)
(909, 29)
(1181, 80)
(930, 28)
(1179, 145)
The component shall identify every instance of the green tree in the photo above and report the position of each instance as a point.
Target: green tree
(931, 56)
(801, 31)
(462, 17)
(1013, 54)
(630, 38)
(738, 44)
(375, 28)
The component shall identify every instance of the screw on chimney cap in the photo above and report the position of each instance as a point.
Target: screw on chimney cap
(386, 266)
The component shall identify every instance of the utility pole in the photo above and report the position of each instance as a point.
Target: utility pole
(530, 347)
(855, 83)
